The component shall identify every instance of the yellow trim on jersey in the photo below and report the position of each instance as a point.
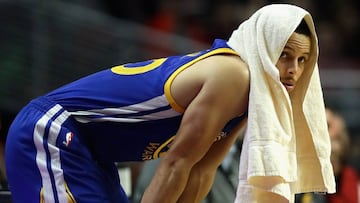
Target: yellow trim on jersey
(158, 152)
(169, 81)
(70, 197)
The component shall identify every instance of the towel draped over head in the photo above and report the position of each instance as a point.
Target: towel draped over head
(286, 148)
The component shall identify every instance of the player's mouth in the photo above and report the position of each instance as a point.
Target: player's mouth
(289, 85)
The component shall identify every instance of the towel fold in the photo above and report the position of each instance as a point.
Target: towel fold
(286, 148)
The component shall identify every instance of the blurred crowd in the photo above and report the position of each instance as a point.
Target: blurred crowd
(337, 21)
(346, 175)
(338, 28)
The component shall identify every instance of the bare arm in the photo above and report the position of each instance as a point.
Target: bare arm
(205, 116)
(203, 173)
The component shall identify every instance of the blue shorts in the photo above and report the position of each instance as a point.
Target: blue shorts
(48, 161)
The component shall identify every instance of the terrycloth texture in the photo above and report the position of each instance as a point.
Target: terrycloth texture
(286, 148)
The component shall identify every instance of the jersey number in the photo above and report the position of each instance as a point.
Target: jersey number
(138, 68)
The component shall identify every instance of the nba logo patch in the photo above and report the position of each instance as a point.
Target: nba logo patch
(68, 138)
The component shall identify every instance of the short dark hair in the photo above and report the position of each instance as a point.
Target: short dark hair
(303, 28)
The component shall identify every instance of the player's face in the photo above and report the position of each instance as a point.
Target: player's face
(292, 60)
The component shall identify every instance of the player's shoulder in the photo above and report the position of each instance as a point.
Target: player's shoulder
(228, 65)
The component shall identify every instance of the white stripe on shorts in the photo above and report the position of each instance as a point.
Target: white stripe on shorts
(41, 155)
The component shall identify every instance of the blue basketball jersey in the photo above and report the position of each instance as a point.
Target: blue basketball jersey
(127, 112)
(62, 146)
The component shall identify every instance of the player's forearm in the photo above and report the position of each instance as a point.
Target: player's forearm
(198, 186)
(167, 184)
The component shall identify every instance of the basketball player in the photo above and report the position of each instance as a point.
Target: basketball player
(186, 109)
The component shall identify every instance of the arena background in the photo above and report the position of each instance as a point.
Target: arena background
(45, 44)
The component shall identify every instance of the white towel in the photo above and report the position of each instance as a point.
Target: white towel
(286, 148)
